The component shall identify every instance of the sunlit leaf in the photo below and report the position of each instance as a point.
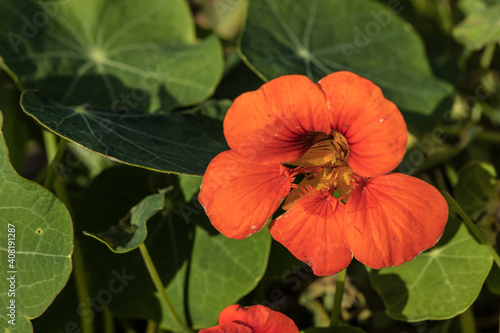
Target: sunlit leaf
(114, 54)
(479, 28)
(178, 143)
(219, 263)
(439, 283)
(37, 263)
(473, 6)
(477, 192)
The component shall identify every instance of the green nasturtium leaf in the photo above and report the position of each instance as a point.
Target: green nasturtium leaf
(477, 189)
(134, 54)
(478, 193)
(222, 271)
(189, 186)
(479, 28)
(202, 271)
(36, 264)
(439, 283)
(473, 6)
(177, 143)
(318, 37)
(131, 231)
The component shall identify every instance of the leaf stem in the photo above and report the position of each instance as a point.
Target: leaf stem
(446, 326)
(54, 153)
(161, 289)
(451, 174)
(108, 324)
(440, 182)
(50, 142)
(445, 16)
(82, 289)
(487, 56)
(467, 322)
(151, 327)
(339, 293)
(472, 227)
(484, 136)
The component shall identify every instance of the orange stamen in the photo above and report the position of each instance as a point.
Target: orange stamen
(325, 166)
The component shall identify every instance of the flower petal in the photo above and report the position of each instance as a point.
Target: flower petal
(373, 126)
(311, 231)
(392, 218)
(228, 328)
(239, 196)
(261, 318)
(271, 123)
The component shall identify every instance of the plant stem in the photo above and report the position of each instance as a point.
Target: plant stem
(339, 293)
(54, 153)
(161, 289)
(440, 182)
(487, 56)
(445, 16)
(487, 137)
(50, 143)
(107, 318)
(446, 326)
(467, 322)
(472, 227)
(151, 327)
(82, 289)
(451, 174)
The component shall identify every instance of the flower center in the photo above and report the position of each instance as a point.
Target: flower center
(325, 168)
(326, 151)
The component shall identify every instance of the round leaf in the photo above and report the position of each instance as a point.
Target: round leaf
(439, 283)
(128, 54)
(178, 143)
(222, 271)
(315, 38)
(41, 232)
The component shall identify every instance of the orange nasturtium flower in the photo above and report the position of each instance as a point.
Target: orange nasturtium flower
(253, 319)
(339, 139)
